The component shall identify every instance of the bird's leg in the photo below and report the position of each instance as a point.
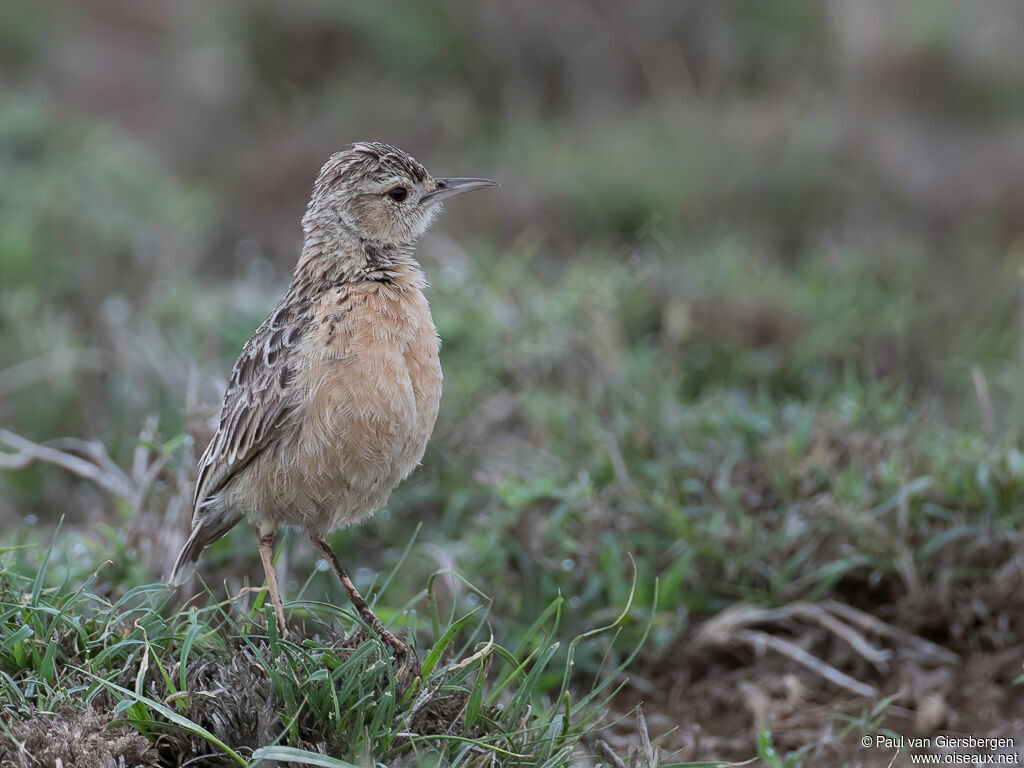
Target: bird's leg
(401, 649)
(267, 556)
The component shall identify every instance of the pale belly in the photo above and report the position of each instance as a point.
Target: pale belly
(367, 416)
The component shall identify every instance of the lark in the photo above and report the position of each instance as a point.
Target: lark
(334, 397)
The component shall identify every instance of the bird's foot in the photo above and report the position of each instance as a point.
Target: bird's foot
(409, 663)
(404, 654)
(355, 638)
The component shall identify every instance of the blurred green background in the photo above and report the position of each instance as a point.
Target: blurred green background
(747, 305)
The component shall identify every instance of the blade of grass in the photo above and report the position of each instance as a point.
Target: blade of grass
(439, 647)
(301, 756)
(401, 561)
(179, 720)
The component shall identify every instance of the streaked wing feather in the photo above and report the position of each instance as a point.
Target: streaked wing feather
(260, 399)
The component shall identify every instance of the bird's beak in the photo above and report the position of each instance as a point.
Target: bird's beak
(451, 187)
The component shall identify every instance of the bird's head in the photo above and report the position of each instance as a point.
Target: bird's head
(380, 194)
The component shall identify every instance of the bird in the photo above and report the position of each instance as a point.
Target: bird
(333, 399)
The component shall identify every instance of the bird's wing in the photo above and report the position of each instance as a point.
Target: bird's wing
(260, 400)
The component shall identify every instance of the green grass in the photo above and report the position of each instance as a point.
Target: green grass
(730, 441)
(594, 425)
(220, 679)
(860, 496)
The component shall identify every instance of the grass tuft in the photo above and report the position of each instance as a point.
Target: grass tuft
(215, 681)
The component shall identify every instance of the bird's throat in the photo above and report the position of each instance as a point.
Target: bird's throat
(325, 265)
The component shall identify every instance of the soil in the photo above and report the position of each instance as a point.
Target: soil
(715, 693)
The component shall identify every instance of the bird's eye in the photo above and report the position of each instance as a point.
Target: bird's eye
(398, 194)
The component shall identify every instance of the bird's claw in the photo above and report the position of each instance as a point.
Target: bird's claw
(409, 662)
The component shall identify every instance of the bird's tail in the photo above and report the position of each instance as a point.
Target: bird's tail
(204, 534)
(185, 563)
